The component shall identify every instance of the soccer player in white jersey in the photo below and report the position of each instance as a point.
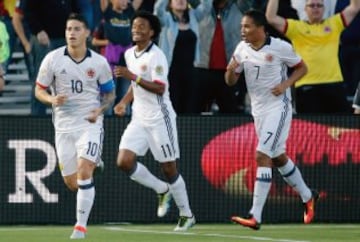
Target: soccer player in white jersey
(264, 60)
(82, 88)
(153, 122)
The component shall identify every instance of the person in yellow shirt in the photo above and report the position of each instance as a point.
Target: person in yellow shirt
(317, 40)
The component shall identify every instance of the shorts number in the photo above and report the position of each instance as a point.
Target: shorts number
(166, 150)
(92, 149)
(270, 134)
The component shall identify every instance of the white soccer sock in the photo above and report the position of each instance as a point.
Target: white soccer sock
(179, 193)
(144, 177)
(293, 177)
(84, 201)
(261, 190)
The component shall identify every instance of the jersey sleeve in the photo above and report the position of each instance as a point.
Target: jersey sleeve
(237, 57)
(159, 68)
(106, 78)
(45, 75)
(288, 55)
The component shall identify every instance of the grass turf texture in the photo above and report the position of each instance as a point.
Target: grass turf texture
(199, 233)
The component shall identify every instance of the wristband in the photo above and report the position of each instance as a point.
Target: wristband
(138, 79)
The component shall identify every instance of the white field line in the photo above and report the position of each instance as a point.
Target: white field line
(255, 238)
(9, 229)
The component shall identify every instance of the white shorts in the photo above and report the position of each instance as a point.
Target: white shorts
(85, 143)
(272, 130)
(160, 136)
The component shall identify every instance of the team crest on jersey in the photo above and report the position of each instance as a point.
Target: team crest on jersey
(90, 72)
(159, 70)
(143, 68)
(269, 58)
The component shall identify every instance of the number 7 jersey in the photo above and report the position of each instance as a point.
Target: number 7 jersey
(79, 81)
(264, 69)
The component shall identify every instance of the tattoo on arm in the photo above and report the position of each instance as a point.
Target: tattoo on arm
(106, 100)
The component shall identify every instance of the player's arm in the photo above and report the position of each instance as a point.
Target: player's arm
(108, 96)
(43, 96)
(278, 22)
(156, 87)
(120, 107)
(231, 76)
(299, 71)
(107, 91)
(351, 11)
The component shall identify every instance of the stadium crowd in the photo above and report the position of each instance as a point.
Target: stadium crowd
(198, 37)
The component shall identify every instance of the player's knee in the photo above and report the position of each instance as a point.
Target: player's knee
(280, 160)
(262, 159)
(72, 185)
(169, 169)
(71, 181)
(125, 162)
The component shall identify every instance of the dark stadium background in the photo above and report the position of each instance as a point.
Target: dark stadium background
(118, 199)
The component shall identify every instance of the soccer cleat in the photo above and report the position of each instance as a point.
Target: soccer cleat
(309, 207)
(99, 169)
(185, 223)
(78, 233)
(247, 221)
(164, 203)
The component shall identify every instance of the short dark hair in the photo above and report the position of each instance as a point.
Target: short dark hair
(258, 17)
(153, 21)
(78, 17)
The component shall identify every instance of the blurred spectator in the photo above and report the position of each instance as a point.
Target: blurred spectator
(349, 52)
(300, 6)
(47, 20)
(4, 53)
(23, 32)
(2, 81)
(321, 90)
(356, 102)
(179, 39)
(285, 10)
(219, 35)
(7, 8)
(147, 5)
(113, 35)
(90, 9)
(4, 44)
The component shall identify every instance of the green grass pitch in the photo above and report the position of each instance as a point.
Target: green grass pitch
(199, 233)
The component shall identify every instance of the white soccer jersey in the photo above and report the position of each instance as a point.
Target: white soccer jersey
(150, 65)
(264, 69)
(79, 81)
